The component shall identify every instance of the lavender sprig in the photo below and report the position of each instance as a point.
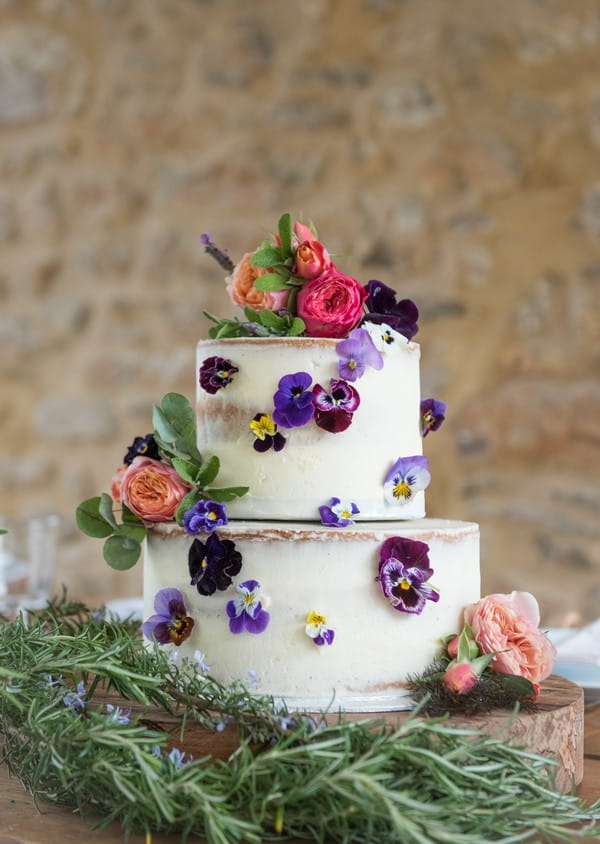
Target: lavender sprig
(220, 255)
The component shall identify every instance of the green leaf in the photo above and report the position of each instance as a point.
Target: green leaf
(285, 232)
(187, 502)
(297, 327)
(186, 469)
(137, 532)
(270, 319)
(129, 517)
(89, 520)
(514, 684)
(208, 471)
(265, 258)
(226, 494)
(121, 552)
(105, 509)
(480, 663)
(270, 282)
(163, 430)
(179, 413)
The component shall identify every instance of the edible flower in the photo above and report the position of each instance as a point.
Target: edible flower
(356, 353)
(384, 337)
(293, 401)
(433, 413)
(338, 514)
(382, 306)
(403, 572)
(204, 517)
(316, 628)
(334, 409)
(142, 447)
(213, 564)
(75, 698)
(216, 373)
(246, 612)
(265, 431)
(171, 623)
(407, 476)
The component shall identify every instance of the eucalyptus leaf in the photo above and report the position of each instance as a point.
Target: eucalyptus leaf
(187, 502)
(89, 520)
(226, 494)
(121, 552)
(163, 430)
(137, 532)
(270, 282)
(105, 509)
(186, 469)
(179, 413)
(208, 471)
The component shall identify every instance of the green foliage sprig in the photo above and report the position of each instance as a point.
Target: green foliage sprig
(291, 775)
(263, 323)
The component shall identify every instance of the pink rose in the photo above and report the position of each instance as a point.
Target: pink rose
(452, 647)
(331, 304)
(312, 259)
(241, 289)
(302, 233)
(509, 623)
(460, 678)
(152, 489)
(115, 484)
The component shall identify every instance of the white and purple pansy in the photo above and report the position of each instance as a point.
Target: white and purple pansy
(355, 353)
(384, 337)
(338, 513)
(334, 409)
(170, 623)
(316, 628)
(293, 401)
(403, 574)
(407, 476)
(246, 612)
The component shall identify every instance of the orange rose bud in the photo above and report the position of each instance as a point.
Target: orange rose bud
(460, 678)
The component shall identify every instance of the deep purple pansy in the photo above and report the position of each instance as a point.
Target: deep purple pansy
(293, 401)
(213, 564)
(382, 306)
(216, 373)
(407, 476)
(355, 353)
(171, 623)
(266, 434)
(204, 517)
(316, 628)
(246, 612)
(334, 409)
(433, 413)
(403, 572)
(142, 447)
(338, 514)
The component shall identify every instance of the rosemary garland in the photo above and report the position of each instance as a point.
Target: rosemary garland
(321, 779)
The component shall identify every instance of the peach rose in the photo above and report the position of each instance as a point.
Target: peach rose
(115, 484)
(312, 259)
(331, 304)
(460, 678)
(152, 489)
(509, 623)
(242, 292)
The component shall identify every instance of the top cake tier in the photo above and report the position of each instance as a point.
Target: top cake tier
(374, 463)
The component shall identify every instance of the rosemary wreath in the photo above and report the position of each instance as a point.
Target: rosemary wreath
(322, 779)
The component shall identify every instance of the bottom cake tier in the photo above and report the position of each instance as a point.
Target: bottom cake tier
(319, 616)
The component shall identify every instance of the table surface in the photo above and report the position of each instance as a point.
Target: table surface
(22, 823)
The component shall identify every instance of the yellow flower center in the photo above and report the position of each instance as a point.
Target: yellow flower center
(428, 418)
(314, 618)
(346, 515)
(223, 373)
(352, 364)
(404, 584)
(248, 599)
(204, 564)
(263, 426)
(212, 515)
(401, 490)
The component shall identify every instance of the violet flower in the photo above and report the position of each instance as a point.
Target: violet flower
(316, 628)
(403, 572)
(293, 401)
(334, 410)
(213, 564)
(407, 476)
(382, 306)
(171, 623)
(246, 612)
(75, 698)
(356, 353)
(265, 431)
(116, 715)
(216, 373)
(142, 447)
(433, 413)
(204, 517)
(337, 514)
(177, 758)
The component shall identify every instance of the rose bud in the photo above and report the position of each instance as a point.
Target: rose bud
(312, 258)
(452, 647)
(460, 678)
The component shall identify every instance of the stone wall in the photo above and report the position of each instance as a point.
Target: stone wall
(450, 149)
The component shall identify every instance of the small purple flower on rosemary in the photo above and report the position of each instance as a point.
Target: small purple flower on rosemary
(382, 306)
(433, 413)
(266, 434)
(356, 353)
(116, 715)
(293, 401)
(316, 628)
(213, 564)
(338, 514)
(142, 447)
(246, 612)
(204, 517)
(216, 373)
(403, 572)
(220, 255)
(171, 623)
(177, 758)
(75, 698)
(334, 409)
(407, 476)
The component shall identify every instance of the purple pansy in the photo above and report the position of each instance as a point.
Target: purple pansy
(216, 373)
(338, 514)
(433, 413)
(356, 353)
(407, 476)
(213, 564)
(266, 434)
(334, 409)
(382, 306)
(403, 572)
(204, 517)
(171, 623)
(316, 628)
(293, 401)
(142, 447)
(246, 612)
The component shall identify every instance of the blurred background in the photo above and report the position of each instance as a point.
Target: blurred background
(451, 150)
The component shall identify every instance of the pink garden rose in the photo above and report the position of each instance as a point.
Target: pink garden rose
(152, 489)
(312, 259)
(241, 289)
(460, 677)
(509, 623)
(331, 304)
(115, 484)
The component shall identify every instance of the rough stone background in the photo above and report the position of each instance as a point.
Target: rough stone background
(450, 149)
